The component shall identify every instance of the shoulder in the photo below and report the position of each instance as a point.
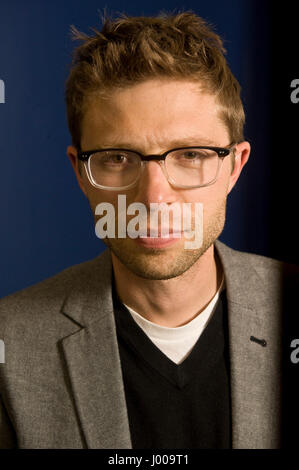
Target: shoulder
(256, 276)
(262, 264)
(42, 300)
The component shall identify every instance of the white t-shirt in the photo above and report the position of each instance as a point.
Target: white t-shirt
(177, 343)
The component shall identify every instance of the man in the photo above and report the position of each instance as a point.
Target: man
(152, 345)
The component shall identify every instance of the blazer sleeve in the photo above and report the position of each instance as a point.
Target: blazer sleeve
(7, 434)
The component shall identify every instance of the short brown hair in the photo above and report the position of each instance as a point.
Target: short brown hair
(129, 50)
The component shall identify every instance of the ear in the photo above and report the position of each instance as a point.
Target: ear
(242, 152)
(72, 154)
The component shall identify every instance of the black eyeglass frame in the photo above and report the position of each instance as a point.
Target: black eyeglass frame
(222, 152)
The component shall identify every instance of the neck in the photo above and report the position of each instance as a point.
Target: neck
(172, 302)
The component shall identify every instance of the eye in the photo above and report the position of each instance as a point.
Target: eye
(191, 156)
(194, 154)
(115, 158)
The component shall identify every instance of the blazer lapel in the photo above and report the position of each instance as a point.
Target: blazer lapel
(255, 369)
(92, 360)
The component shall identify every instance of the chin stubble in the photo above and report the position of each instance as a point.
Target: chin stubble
(162, 264)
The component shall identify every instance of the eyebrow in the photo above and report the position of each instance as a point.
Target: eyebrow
(183, 142)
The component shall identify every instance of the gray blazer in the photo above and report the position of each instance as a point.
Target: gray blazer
(61, 384)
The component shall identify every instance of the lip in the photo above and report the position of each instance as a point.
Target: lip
(158, 242)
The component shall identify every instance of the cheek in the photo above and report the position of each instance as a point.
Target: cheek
(213, 199)
(209, 196)
(96, 196)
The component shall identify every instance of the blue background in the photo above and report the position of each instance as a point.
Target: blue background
(46, 223)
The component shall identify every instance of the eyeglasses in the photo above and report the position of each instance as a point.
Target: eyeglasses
(116, 169)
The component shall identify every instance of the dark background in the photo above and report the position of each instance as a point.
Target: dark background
(46, 224)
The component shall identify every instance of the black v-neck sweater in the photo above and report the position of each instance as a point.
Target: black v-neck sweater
(170, 406)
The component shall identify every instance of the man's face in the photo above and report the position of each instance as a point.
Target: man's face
(154, 117)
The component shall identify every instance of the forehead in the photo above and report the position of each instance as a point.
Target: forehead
(153, 113)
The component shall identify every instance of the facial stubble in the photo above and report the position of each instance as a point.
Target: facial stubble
(161, 264)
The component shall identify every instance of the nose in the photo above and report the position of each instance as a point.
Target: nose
(153, 186)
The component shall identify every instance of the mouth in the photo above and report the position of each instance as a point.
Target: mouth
(160, 233)
(160, 241)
